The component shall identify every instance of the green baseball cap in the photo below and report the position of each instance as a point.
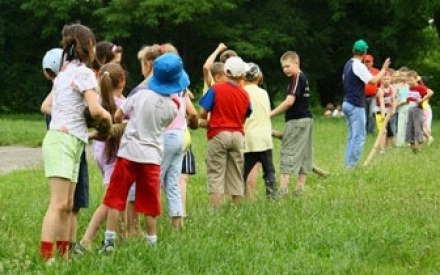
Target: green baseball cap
(360, 46)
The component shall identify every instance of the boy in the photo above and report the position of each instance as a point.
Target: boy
(228, 106)
(208, 76)
(296, 146)
(141, 149)
(418, 94)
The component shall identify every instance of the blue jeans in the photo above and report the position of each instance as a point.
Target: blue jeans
(170, 171)
(356, 133)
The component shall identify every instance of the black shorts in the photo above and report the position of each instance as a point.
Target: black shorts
(81, 196)
(189, 163)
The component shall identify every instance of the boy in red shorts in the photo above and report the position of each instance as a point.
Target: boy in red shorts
(141, 149)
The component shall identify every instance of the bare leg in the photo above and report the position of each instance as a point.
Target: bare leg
(301, 183)
(215, 199)
(73, 226)
(284, 183)
(56, 222)
(133, 226)
(236, 199)
(252, 182)
(97, 219)
(151, 225)
(177, 223)
(183, 184)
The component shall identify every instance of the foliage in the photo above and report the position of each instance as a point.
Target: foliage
(379, 220)
(321, 31)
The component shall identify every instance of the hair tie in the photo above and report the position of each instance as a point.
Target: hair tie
(105, 73)
(71, 51)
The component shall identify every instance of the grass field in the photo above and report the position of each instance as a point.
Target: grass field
(383, 219)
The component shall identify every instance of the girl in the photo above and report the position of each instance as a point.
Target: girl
(171, 167)
(73, 89)
(385, 106)
(106, 52)
(112, 82)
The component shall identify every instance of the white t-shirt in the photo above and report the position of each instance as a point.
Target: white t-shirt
(68, 102)
(150, 114)
(258, 127)
(361, 71)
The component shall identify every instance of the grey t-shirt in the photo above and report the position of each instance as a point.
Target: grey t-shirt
(150, 114)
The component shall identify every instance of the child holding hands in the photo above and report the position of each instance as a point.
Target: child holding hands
(73, 89)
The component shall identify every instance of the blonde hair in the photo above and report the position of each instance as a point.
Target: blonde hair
(226, 55)
(290, 55)
(217, 68)
(150, 53)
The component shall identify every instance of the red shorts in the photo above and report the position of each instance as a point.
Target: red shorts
(147, 178)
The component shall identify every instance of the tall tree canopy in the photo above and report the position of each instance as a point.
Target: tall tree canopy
(321, 31)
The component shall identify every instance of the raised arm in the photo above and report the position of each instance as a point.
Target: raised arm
(207, 77)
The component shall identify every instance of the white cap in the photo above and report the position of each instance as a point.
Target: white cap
(52, 60)
(235, 67)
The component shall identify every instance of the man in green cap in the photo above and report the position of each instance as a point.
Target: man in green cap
(355, 76)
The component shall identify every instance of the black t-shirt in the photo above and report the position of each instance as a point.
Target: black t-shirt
(299, 88)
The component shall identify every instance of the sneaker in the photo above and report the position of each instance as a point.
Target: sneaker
(151, 241)
(107, 247)
(79, 249)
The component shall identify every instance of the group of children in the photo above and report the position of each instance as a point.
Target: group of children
(402, 99)
(141, 142)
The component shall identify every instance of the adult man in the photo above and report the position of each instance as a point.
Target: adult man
(355, 76)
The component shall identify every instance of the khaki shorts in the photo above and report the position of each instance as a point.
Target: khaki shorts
(225, 164)
(62, 155)
(296, 148)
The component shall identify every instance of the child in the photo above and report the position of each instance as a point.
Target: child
(171, 167)
(329, 108)
(74, 87)
(418, 94)
(111, 81)
(402, 91)
(208, 77)
(106, 52)
(385, 106)
(228, 106)
(337, 113)
(296, 147)
(52, 63)
(141, 149)
(258, 134)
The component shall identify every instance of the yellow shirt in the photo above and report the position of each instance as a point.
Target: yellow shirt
(258, 127)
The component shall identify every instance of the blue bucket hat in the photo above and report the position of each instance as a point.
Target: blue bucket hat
(169, 77)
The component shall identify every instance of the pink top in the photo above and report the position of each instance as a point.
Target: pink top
(179, 122)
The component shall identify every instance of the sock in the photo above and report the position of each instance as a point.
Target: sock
(62, 247)
(151, 239)
(110, 236)
(46, 250)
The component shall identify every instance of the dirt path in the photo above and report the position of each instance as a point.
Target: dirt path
(15, 158)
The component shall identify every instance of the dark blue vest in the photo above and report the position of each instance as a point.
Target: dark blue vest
(353, 86)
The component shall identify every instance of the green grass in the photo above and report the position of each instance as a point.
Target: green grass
(26, 130)
(382, 219)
